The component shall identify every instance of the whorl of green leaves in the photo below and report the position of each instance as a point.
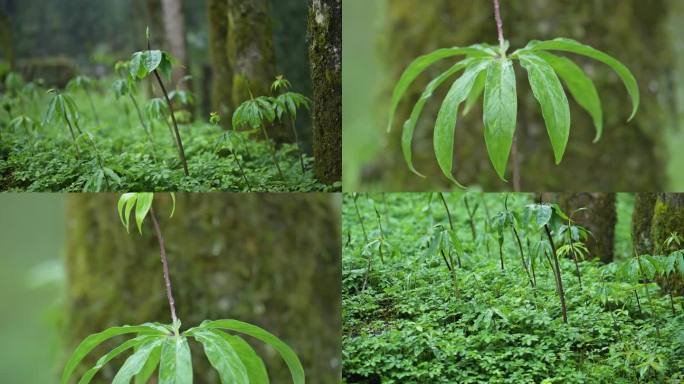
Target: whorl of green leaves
(254, 113)
(60, 108)
(156, 108)
(487, 71)
(142, 201)
(161, 348)
(144, 63)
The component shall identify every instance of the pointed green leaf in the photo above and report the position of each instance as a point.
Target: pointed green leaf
(92, 341)
(475, 93)
(500, 113)
(123, 204)
(88, 376)
(176, 362)
(445, 125)
(135, 363)
(151, 60)
(256, 370)
(569, 45)
(410, 124)
(142, 206)
(547, 89)
(435, 245)
(173, 204)
(580, 86)
(420, 64)
(288, 355)
(143, 377)
(222, 357)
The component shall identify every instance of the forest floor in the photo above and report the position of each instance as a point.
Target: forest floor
(117, 154)
(411, 325)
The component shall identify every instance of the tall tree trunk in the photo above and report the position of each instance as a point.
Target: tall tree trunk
(668, 217)
(222, 79)
(269, 259)
(599, 217)
(251, 53)
(625, 29)
(642, 218)
(325, 56)
(174, 25)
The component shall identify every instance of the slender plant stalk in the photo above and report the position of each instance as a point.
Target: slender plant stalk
(271, 146)
(181, 152)
(499, 25)
(365, 237)
(165, 266)
(669, 291)
(471, 218)
(648, 294)
(529, 252)
(559, 279)
(92, 105)
(242, 171)
(73, 135)
(382, 233)
(384, 206)
(577, 267)
(451, 226)
(636, 294)
(522, 255)
(488, 225)
(501, 258)
(299, 146)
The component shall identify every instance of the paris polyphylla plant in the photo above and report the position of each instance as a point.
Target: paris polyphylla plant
(165, 347)
(490, 70)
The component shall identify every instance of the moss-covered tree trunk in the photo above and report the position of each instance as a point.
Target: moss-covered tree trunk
(174, 26)
(599, 218)
(642, 218)
(626, 158)
(251, 54)
(222, 78)
(325, 56)
(668, 218)
(273, 260)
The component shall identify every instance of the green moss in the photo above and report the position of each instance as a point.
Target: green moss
(325, 56)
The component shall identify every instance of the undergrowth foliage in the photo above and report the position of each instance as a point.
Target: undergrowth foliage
(489, 70)
(128, 140)
(447, 306)
(164, 348)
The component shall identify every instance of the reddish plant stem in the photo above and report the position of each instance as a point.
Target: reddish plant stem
(165, 265)
(499, 25)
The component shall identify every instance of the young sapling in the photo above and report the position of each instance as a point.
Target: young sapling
(164, 348)
(489, 70)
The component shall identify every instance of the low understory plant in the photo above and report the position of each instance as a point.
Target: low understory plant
(489, 70)
(409, 326)
(164, 348)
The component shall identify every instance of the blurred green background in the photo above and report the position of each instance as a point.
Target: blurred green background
(382, 37)
(31, 286)
(69, 269)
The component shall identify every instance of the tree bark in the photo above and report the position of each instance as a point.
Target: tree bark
(222, 79)
(266, 259)
(600, 218)
(642, 218)
(668, 217)
(325, 56)
(251, 54)
(174, 25)
(628, 156)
